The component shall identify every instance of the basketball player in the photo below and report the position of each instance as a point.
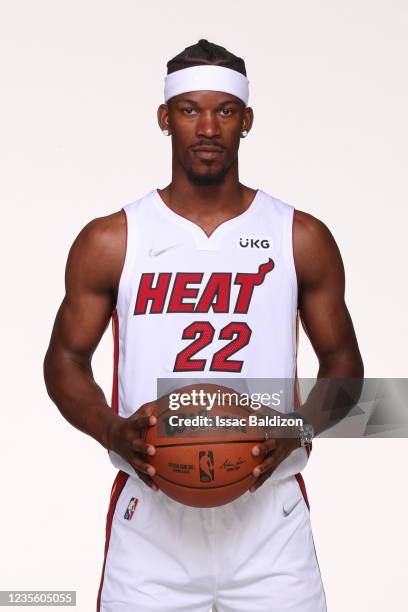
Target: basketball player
(204, 277)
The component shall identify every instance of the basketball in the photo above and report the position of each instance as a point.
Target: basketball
(203, 457)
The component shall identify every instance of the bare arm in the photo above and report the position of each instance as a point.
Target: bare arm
(327, 323)
(93, 271)
(325, 318)
(323, 311)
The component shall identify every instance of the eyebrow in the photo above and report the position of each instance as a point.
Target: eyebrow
(219, 104)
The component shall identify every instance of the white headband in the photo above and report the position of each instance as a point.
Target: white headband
(206, 78)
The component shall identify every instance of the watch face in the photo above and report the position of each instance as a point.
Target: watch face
(307, 432)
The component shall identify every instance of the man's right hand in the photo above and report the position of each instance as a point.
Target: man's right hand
(126, 439)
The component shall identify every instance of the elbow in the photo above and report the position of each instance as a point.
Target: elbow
(358, 365)
(344, 364)
(361, 374)
(47, 370)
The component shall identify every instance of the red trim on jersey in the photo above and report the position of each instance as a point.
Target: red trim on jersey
(302, 486)
(121, 477)
(115, 332)
(126, 227)
(297, 396)
(297, 404)
(115, 388)
(117, 488)
(126, 241)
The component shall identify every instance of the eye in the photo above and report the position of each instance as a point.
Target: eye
(229, 112)
(188, 110)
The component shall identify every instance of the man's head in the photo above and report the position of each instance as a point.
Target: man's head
(206, 112)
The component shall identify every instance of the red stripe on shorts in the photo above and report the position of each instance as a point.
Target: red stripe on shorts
(302, 486)
(117, 489)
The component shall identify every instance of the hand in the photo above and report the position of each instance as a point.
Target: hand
(126, 438)
(274, 451)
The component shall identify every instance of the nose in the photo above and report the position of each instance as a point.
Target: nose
(208, 125)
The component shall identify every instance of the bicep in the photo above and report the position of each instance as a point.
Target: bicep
(92, 272)
(321, 279)
(80, 323)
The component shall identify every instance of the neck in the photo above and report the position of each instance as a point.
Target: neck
(228, 197)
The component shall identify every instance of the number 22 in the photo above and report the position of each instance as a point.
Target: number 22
(202, 334)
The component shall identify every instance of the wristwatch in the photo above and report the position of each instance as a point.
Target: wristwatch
(306, 430)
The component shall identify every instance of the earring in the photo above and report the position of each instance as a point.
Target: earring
(244, 134)
(166, 132)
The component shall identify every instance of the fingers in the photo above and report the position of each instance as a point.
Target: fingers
(260, 480)
(139, 456)
(143, 448)
(273, 452)
(142, 466)
(147, 480)
(140, 422)
(147, 409)
(264, 470)
(264, 448)
(270, 462)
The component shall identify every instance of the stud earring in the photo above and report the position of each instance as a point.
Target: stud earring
(166, 132)
(244, 134)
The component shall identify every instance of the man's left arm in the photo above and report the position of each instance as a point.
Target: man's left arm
(328, 325)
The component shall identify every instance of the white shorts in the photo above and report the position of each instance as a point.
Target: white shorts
(255, 554)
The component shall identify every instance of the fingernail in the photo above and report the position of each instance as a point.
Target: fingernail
(256, 472)
(155, 488)
(151, 450)
(252, 489)
(151, 471)
(256, 451)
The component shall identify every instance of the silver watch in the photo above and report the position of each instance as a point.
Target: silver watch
(306, 430)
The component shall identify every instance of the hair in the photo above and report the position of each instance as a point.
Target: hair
(206, 53)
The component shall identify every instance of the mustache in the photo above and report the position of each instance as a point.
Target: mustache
(208, 143)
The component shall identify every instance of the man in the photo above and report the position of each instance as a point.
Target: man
(201, 278)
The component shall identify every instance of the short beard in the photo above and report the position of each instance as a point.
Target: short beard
(207, 179)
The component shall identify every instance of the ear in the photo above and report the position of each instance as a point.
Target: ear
(248, 119)
(163, 117)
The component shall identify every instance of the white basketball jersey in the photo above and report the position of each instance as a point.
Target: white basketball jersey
(191, 306)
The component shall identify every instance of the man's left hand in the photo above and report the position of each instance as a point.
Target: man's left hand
(273, 451)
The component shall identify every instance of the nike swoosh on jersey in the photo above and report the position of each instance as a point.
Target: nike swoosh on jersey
(157, 252)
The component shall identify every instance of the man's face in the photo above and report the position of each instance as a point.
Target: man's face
(205, 127)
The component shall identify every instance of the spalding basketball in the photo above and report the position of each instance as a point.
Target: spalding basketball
(203, 457)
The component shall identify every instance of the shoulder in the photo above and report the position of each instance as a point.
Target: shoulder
(310, 235)
(97, 254)
(103, 232)
(315, 250)
(308, 228)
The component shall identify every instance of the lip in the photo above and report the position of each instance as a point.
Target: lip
(204, 148)
(207, 152)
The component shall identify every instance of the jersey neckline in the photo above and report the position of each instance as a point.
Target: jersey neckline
(200, 235)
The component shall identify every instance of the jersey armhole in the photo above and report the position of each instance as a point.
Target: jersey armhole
(125, 258)
(288, 250)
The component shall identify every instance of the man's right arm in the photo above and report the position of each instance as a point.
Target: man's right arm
(92, 277)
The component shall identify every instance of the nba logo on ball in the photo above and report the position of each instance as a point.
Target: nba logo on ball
(130, 510)
(206, 463)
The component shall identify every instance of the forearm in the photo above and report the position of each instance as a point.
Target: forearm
(337, 389)
(71, 386)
